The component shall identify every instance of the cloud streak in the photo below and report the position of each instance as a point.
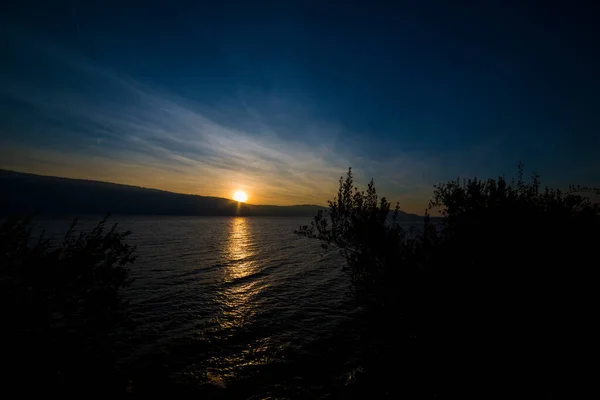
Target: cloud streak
(107, 127)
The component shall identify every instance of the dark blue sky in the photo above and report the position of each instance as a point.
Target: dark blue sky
(278, 98)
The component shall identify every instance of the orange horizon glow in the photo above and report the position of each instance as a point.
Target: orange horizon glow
(266, 190)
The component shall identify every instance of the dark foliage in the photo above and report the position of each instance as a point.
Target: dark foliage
(514, 263)
(493, 298)
(62, 311)
(367, 233)
(386, 264)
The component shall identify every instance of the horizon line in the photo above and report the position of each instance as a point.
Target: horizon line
(159, 190)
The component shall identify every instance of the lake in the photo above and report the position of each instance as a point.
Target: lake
(219, 297)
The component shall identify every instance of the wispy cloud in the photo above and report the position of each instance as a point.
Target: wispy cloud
(109, 127)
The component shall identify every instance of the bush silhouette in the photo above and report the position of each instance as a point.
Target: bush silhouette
(385, 264)
(494, 291)
(512, 264)
(61, 306)
(366, 232)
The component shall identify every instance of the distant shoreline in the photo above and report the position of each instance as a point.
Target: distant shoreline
(48, 195)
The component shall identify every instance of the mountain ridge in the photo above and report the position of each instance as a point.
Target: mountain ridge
(22, 192)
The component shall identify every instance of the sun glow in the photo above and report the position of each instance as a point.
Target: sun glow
(240, 196)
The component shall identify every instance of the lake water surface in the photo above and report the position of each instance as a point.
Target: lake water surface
(222, 296)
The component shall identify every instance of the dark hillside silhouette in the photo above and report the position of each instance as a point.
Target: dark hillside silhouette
(25, 193)
(48, 195)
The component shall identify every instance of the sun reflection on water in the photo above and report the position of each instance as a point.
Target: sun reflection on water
(239, 250)
(239, 305)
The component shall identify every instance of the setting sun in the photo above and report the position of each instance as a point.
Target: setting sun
(240, 196)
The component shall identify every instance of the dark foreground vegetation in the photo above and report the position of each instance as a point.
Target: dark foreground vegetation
(495, 299)
(63, 316)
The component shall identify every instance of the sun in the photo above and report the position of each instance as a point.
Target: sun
(240, 196)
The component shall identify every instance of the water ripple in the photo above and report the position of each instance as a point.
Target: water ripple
(232, 292)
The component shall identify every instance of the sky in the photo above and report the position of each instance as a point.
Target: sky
(279, 98)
